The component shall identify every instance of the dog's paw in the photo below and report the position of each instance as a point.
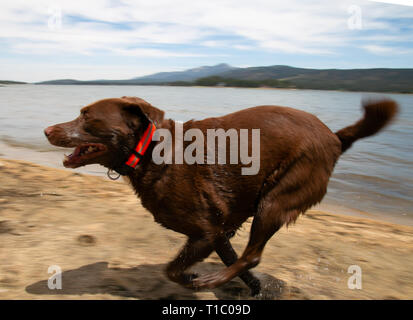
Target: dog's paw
(188, 280)
(210, 281)
(255, 287)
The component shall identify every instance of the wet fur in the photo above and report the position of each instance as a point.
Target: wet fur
(208, 203)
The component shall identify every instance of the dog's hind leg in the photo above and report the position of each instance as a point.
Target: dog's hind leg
(261, 231)
(194, 250)
(303, 185)
(228, 256)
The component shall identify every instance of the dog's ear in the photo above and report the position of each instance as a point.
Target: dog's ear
(140, 107)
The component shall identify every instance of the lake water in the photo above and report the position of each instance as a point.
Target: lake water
(374, 178)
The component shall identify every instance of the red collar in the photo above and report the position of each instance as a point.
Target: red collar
(140, 149)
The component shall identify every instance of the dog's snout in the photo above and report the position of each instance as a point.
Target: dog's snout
(48, 131)
(64, 135)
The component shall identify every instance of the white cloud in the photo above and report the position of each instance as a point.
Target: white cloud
(184, 28)
(154, 53)
(385, 50)
(293, 26)
(399, 2)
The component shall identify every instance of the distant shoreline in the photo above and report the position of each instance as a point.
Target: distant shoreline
(398, 80)
(380, 80)
(8, 82)
(198, 86)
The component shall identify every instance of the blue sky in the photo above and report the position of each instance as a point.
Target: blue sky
(114, 39)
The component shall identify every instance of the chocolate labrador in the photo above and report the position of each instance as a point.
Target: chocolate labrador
(209, 202)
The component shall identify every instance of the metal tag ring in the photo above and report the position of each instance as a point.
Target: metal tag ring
(111, 176)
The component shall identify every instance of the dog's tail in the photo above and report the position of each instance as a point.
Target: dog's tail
(377, 114)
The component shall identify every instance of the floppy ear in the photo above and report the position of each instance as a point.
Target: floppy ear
(137, 106)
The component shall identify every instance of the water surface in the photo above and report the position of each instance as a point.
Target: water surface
(374, 177)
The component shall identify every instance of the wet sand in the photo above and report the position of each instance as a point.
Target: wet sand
(109, 247)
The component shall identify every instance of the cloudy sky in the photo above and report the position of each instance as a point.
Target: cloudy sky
(119, 39)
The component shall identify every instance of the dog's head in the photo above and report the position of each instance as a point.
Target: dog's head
(105, 132)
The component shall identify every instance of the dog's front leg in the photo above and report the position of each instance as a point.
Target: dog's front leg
(195, 250)
(228, 256)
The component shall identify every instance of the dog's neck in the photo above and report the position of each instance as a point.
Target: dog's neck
(147, 172)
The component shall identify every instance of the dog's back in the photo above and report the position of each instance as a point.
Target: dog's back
(209, 201)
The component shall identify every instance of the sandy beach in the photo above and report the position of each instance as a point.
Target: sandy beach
(109, 247)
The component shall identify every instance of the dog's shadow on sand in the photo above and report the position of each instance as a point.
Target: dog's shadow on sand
(148, 281)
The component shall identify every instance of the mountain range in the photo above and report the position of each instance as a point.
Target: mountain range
(376, 80)
(187, 75)
(157, 78)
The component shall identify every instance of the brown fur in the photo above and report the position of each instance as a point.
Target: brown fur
(376, 116)
(208, 203)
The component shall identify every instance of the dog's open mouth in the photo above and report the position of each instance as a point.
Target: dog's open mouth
(83, 154)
